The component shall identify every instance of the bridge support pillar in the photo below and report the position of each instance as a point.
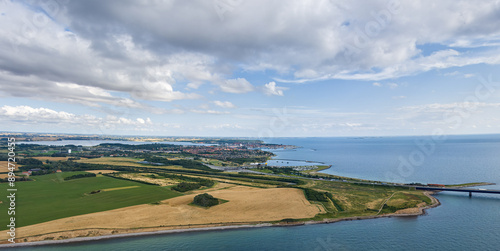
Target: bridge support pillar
(470, 194)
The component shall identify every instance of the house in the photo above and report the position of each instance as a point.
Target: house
(58, 171)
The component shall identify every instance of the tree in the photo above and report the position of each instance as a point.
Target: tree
(205, 200)
(186, 186)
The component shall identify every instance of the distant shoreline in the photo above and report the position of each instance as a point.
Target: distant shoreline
(421, 211)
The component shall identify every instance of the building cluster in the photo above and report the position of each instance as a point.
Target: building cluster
(226, 152)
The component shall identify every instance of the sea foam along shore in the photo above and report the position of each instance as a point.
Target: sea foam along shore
(421, 211)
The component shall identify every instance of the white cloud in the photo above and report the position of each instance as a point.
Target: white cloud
(161, 91)
(142, 121)
(438, 107)
(194, 85)
(452, 118)
(204, 106)
(438, 60)
(224, 104)
(392, 85)
(239, 85)
(26, 115)
(222, 126)
(272, 89)
(153, 51)
(459, 74)
(65, 66)
(130, 56)
(399, 97)
(208, 111)
(389, 85)
(455, 73)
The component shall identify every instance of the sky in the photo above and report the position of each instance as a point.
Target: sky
(241, 68)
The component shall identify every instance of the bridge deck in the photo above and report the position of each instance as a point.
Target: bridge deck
(466, 190)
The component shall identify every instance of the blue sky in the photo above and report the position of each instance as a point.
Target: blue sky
(250, 68)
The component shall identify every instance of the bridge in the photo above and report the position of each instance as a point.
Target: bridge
(466, 190)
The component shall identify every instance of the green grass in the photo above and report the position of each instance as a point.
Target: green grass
(216, 162)
(319, 168)
(262, 170)
(50, 197)
(401, 201)
(358, 196)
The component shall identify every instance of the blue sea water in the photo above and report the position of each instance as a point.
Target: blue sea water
(456, 159)
(460, 223)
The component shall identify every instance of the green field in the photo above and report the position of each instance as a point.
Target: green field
(50, 197)
(364, 199)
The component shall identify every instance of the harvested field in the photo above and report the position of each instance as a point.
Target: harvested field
(43, 158)
(121, 161)
(6, 175)
(116, 161)
(101, 171)
(4, 166)
(258, 204)
(234, 182)
(143, 177)
(238, 182)
(117, 188)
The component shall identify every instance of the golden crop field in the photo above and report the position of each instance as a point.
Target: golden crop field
(144, 177)
(44, 158)
(121, 161)
(117, 161)
(259, 205)
(4, 166)
(101, 171)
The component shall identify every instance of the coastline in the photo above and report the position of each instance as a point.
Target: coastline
(421, 211)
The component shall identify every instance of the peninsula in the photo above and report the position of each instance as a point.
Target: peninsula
(74, 192)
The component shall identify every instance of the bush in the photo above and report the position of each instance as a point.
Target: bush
(336, 202)
(203, 182)
(29, 162)
(315, 195)
(78, 176)
(185, 186)
(205, 200)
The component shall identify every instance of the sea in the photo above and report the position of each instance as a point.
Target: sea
(459, 223)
